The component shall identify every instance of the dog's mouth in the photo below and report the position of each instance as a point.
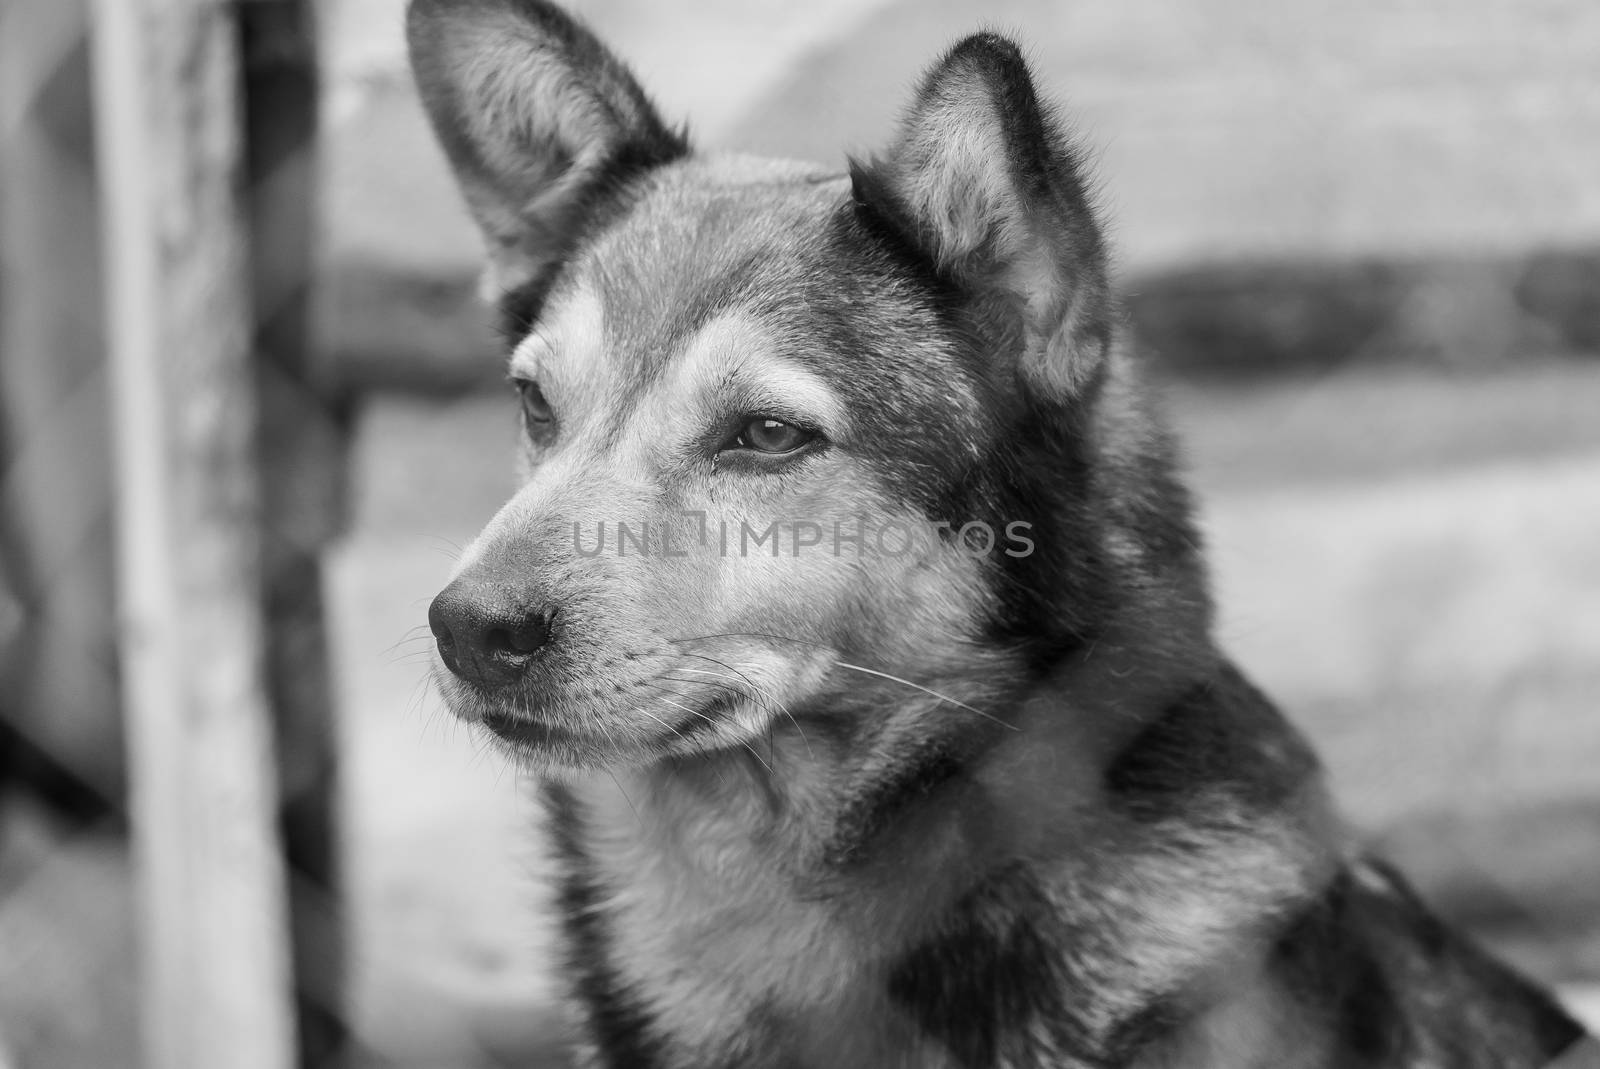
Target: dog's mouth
(693, 727)
(520, 731)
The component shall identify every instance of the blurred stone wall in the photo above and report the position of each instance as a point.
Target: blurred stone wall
(1301, 181)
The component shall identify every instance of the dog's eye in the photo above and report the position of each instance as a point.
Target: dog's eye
(535, 409)
(772, 436)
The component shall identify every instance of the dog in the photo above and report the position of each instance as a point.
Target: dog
(851, 614)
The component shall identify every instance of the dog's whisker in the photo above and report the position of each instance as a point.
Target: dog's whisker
(449, 548)
(726, 688)
(663, 723)
(730, 688)
(679, 705)
(757, 693)
(709, 720)
(418, 700)
(761, 760)
(853, 667)
(623, 791)
(742, 686)
(724, 664)
(752, 634)
(927, 690)
(411, 635)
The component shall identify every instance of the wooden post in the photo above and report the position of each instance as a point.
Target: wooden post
(302, 446)
(203, 785)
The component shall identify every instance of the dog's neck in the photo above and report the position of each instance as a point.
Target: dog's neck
(1138, 811)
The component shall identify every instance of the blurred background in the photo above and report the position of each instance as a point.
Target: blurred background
(1361, 242)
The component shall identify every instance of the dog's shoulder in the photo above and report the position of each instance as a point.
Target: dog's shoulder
(1400, 987)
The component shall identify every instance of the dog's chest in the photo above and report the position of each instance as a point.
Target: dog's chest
(725, 957)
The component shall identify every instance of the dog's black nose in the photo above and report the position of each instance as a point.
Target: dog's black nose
(485, 635)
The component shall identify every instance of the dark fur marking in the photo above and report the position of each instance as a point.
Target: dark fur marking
(983, 977)
(878, 222)
(1036, 468)
(1052, 602)
(1213, 737)
(604, 201)
(1326, 965)
(619, 1024)
(1157, 1019)
(1396, 985)
(1518, 1026)
(880, 218)
(518, 309)
(937, 763)
(992, 986)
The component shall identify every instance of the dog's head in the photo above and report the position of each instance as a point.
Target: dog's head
(790, 434)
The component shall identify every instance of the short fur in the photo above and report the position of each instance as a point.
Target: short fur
(853, 807)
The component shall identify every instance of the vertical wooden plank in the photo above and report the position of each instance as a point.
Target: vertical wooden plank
(302, 452)
(203, 798)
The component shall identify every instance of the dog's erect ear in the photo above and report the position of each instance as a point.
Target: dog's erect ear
(983, 184)
(539, 120)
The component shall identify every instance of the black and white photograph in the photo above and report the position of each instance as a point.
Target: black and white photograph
(866, 534)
